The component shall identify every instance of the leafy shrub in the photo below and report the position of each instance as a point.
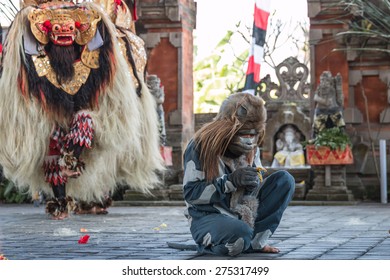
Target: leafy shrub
(334, 138)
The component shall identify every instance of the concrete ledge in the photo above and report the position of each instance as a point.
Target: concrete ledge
(322, 203)
(181, 203)
(149, 203)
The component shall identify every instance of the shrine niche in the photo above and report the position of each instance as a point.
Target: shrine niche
(288, 105)
(289, 150)
(288, 125)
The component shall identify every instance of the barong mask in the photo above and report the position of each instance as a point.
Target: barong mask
(63, 26)
(60, 27)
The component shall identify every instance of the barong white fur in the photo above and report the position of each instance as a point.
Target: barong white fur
(125, 147)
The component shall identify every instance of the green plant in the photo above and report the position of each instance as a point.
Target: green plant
(10, 194)
(369, 26)
(334, 138)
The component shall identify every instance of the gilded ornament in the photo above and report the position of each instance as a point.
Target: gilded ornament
(44, 69)
(61, 25)
(90, 58)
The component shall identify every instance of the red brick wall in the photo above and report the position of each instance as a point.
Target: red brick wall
(376, 93)
(163, 62)
(326, 59)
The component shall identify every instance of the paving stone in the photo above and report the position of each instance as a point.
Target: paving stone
(306, 232)
(338, 257)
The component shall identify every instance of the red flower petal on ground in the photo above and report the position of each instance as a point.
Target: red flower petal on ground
(84, 239)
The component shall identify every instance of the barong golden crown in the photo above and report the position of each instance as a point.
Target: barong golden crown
(61, 11)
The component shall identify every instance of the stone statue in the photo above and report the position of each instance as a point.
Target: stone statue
(157, 90)
(289, 149)
(329, 100)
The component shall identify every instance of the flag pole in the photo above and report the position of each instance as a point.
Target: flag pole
(256, 54)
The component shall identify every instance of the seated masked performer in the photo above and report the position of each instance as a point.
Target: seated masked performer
(229, 209)
(77, 118)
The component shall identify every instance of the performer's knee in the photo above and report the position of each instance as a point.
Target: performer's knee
(286, 181)
(231, 239)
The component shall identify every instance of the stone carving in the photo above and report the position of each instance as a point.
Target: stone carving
(292, 76)
(329, 101)
(157, 90)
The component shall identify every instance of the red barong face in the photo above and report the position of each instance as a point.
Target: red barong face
(63, 26)
(63, 31)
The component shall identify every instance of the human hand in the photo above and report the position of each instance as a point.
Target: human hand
(245, 177)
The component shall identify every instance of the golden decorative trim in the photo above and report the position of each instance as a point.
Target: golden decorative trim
(37, 17)
(44, 69)
(137, 49)
(42, 65)
(122, 47)
(119, 14)
(90, 58)
(123, 17)
(89, 20)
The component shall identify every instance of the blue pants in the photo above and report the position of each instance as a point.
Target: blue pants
(220, 234)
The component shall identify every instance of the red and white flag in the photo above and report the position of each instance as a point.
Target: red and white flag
(256, 54)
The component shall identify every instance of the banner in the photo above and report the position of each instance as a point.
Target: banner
(256, 54)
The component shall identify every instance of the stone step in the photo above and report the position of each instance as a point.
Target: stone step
(173, 192)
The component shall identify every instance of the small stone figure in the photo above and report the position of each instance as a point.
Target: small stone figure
(157, 90)
(329, 100)
(289, 149)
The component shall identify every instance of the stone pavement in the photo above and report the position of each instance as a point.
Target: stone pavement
(351, 232)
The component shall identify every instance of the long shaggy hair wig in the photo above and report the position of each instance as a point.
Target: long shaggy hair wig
(238, 111)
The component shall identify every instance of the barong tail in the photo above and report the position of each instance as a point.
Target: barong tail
(125, 143)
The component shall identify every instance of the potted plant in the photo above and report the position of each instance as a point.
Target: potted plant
(331, 146)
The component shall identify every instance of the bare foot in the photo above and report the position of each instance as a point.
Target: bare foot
(94, 210)
(61, 216)
(270, 249)
(100, 211)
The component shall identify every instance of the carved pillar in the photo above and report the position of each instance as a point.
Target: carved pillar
(166, 26)
(330, 184)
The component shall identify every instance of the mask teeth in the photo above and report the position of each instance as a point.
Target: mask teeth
(55, 37)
